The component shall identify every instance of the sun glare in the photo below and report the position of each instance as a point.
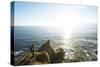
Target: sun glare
(67, 32)
(69, 22)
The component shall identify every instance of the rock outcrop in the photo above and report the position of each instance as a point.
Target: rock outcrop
(55, 56)
(44, 55)
(46, 47)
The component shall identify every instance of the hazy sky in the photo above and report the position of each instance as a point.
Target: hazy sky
(43, 14)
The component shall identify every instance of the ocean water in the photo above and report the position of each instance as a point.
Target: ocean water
(81, 46)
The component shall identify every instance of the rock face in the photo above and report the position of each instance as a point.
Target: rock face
(57, 57)
(43, 57)
(40, 58)
(46, 47)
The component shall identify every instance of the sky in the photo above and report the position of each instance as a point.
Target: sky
(46, 14)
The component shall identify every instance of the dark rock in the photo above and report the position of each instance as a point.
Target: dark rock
(42, 57)
(59, 56)
(46, 47)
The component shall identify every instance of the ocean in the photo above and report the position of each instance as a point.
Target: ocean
(80, 46)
